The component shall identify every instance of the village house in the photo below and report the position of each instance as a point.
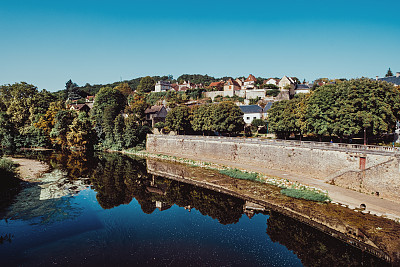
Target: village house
(80, 107)
(302, 88)
(249, 83)
(155, 114)
(162, 86)
(251, 112)
(230, 87)
(89, 99)
(273, 81)
(216, 86)
(391, 79)
(240, 81)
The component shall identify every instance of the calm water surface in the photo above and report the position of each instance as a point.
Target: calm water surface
(107, 210)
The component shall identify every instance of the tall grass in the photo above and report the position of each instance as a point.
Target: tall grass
(236, 173)
(305, 194)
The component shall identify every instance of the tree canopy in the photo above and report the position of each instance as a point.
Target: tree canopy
(344, 109)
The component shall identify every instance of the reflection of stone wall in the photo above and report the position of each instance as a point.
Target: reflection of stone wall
(315, 248)
(319, 163)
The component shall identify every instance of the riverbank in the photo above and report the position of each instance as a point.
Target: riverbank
(365, 231)
(29, 169)
(348, 198)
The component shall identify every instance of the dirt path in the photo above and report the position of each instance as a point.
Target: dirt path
(350, 198)
(30, 169)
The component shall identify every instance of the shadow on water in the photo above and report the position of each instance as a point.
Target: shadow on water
(119, 179)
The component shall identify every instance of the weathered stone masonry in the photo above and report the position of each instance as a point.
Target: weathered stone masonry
(344, 165)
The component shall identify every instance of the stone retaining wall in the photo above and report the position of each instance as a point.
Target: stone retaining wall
(361, 171)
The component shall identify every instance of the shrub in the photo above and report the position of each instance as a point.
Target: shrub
(6, 166)
(159, 125)
(305, 194)
(236, 173)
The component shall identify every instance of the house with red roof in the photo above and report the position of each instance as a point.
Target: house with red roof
(216, 86)
(231, 86)
(250, 82)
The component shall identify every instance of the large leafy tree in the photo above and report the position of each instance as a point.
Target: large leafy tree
(108, 104)
(321, 112)
(119, 128)
(7, 131)
(136, 107)
(47, 121)
(227, 118)
(202, 119)
(124, 88)
(344, 109)
(81, 134)
(19, 99)
(282, 118)
(178, 119)
(367, 106)
(58, 134)
(146, 84)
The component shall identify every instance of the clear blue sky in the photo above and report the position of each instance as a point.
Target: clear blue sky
(47, 43)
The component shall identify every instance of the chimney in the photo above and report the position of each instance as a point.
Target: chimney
(376, 78)
(397, 74)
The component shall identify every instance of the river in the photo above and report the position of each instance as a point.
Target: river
(108, 209)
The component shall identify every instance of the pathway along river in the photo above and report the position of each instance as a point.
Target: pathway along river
(107, 210)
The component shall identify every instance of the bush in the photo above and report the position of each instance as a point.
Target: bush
(6, 166)
(236, 173)
(159, 125)
(305, 194)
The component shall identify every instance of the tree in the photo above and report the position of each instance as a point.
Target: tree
(202, 119)
(389, 73)
(178, 119)
(81, 134)
(124, 88)
(137, 106)
(322, 110)
(18, 98)
(282, 118)
(131, 133)
(119, 127)
(7, 131)
(146, 84)
(47, 121)
(63, 120)
(227, 118)
(367, 106)
(108, 104)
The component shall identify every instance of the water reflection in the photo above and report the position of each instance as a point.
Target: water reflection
(122, 183)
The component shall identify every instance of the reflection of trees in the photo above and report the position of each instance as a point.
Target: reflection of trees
(313, 247)
(226, 209)
(117, 179)
(76, 164)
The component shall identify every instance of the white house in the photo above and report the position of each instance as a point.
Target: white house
(162, 86)
(251, 112)
(250, 82)
(302, 88)
(273, 81)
